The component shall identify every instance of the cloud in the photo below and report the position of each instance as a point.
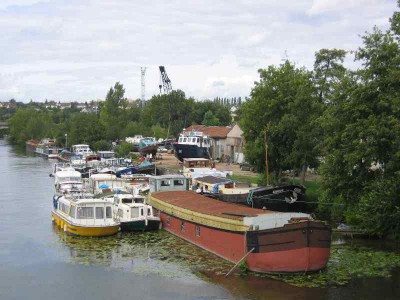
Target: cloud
(75, 49)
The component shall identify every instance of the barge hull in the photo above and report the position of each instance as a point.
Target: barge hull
(281, 250)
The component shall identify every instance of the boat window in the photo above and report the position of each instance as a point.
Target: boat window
(178, 182)
(197, 230)
(165, 183)
(126, 200)
(63, 207)
(108, 212)
(149, 212)
(72, 211)
(180, 140)
(85, 213)
(99, 213)
(184, 140)
(141, 211)
(134, 212)
(139, 200)
(183, 226)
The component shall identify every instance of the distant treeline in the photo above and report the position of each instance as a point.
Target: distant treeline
(163, 116)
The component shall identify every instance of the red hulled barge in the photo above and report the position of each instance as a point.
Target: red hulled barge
(276, 242)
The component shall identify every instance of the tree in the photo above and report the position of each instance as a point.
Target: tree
(362, 136)
(113, 112)
(210, 119)
(283, 108)
(328, 71)
(29, 124)
(220, 112)
(171, 111)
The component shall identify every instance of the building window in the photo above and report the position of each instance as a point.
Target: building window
(197, 230)
(183, 226)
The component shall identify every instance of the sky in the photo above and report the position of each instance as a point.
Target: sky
(75, 50)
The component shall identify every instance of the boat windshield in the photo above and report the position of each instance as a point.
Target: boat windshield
(69, 179)
(126, 200)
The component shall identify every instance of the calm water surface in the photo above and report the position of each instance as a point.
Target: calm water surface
(37, 261)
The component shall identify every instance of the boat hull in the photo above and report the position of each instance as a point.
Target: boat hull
(271, 199)
(133, 226)
(149, 150)
(140, 225)
(84, 230)
(182, 151)
(293, 248)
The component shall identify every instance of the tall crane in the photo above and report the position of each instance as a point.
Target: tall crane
(165, 82)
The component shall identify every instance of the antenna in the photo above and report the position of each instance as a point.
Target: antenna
(143, 72)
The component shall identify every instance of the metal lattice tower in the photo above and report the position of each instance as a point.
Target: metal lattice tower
(143, 72)
(166, 82)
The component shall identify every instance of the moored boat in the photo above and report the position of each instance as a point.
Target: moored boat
(274, 242)
(48, 148)
(283, 198)
(133, 213)
(84, 216)
(192, 145)
(31, 145)
(200, 167)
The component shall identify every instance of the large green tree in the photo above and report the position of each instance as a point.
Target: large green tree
(171, 111)
(220, 112)
(362, 137)
(282, 109)
(30, 124)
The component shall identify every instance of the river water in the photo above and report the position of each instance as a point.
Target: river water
(37, 261)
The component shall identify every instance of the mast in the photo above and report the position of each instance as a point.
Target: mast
(266, 156)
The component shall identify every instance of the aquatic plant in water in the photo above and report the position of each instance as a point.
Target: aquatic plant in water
(163, 254)
(345, 263)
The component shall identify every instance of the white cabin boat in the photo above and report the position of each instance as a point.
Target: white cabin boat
(67, 180)
(200, 167)
(82, 149)
(133, 213)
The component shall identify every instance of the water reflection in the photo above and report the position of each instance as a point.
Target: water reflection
(155, 252)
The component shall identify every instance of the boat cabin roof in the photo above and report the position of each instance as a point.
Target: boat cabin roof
(212, 180)
(195, 159)
(103, 176)
(67, 173)
(197, 203)
(169, 176)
